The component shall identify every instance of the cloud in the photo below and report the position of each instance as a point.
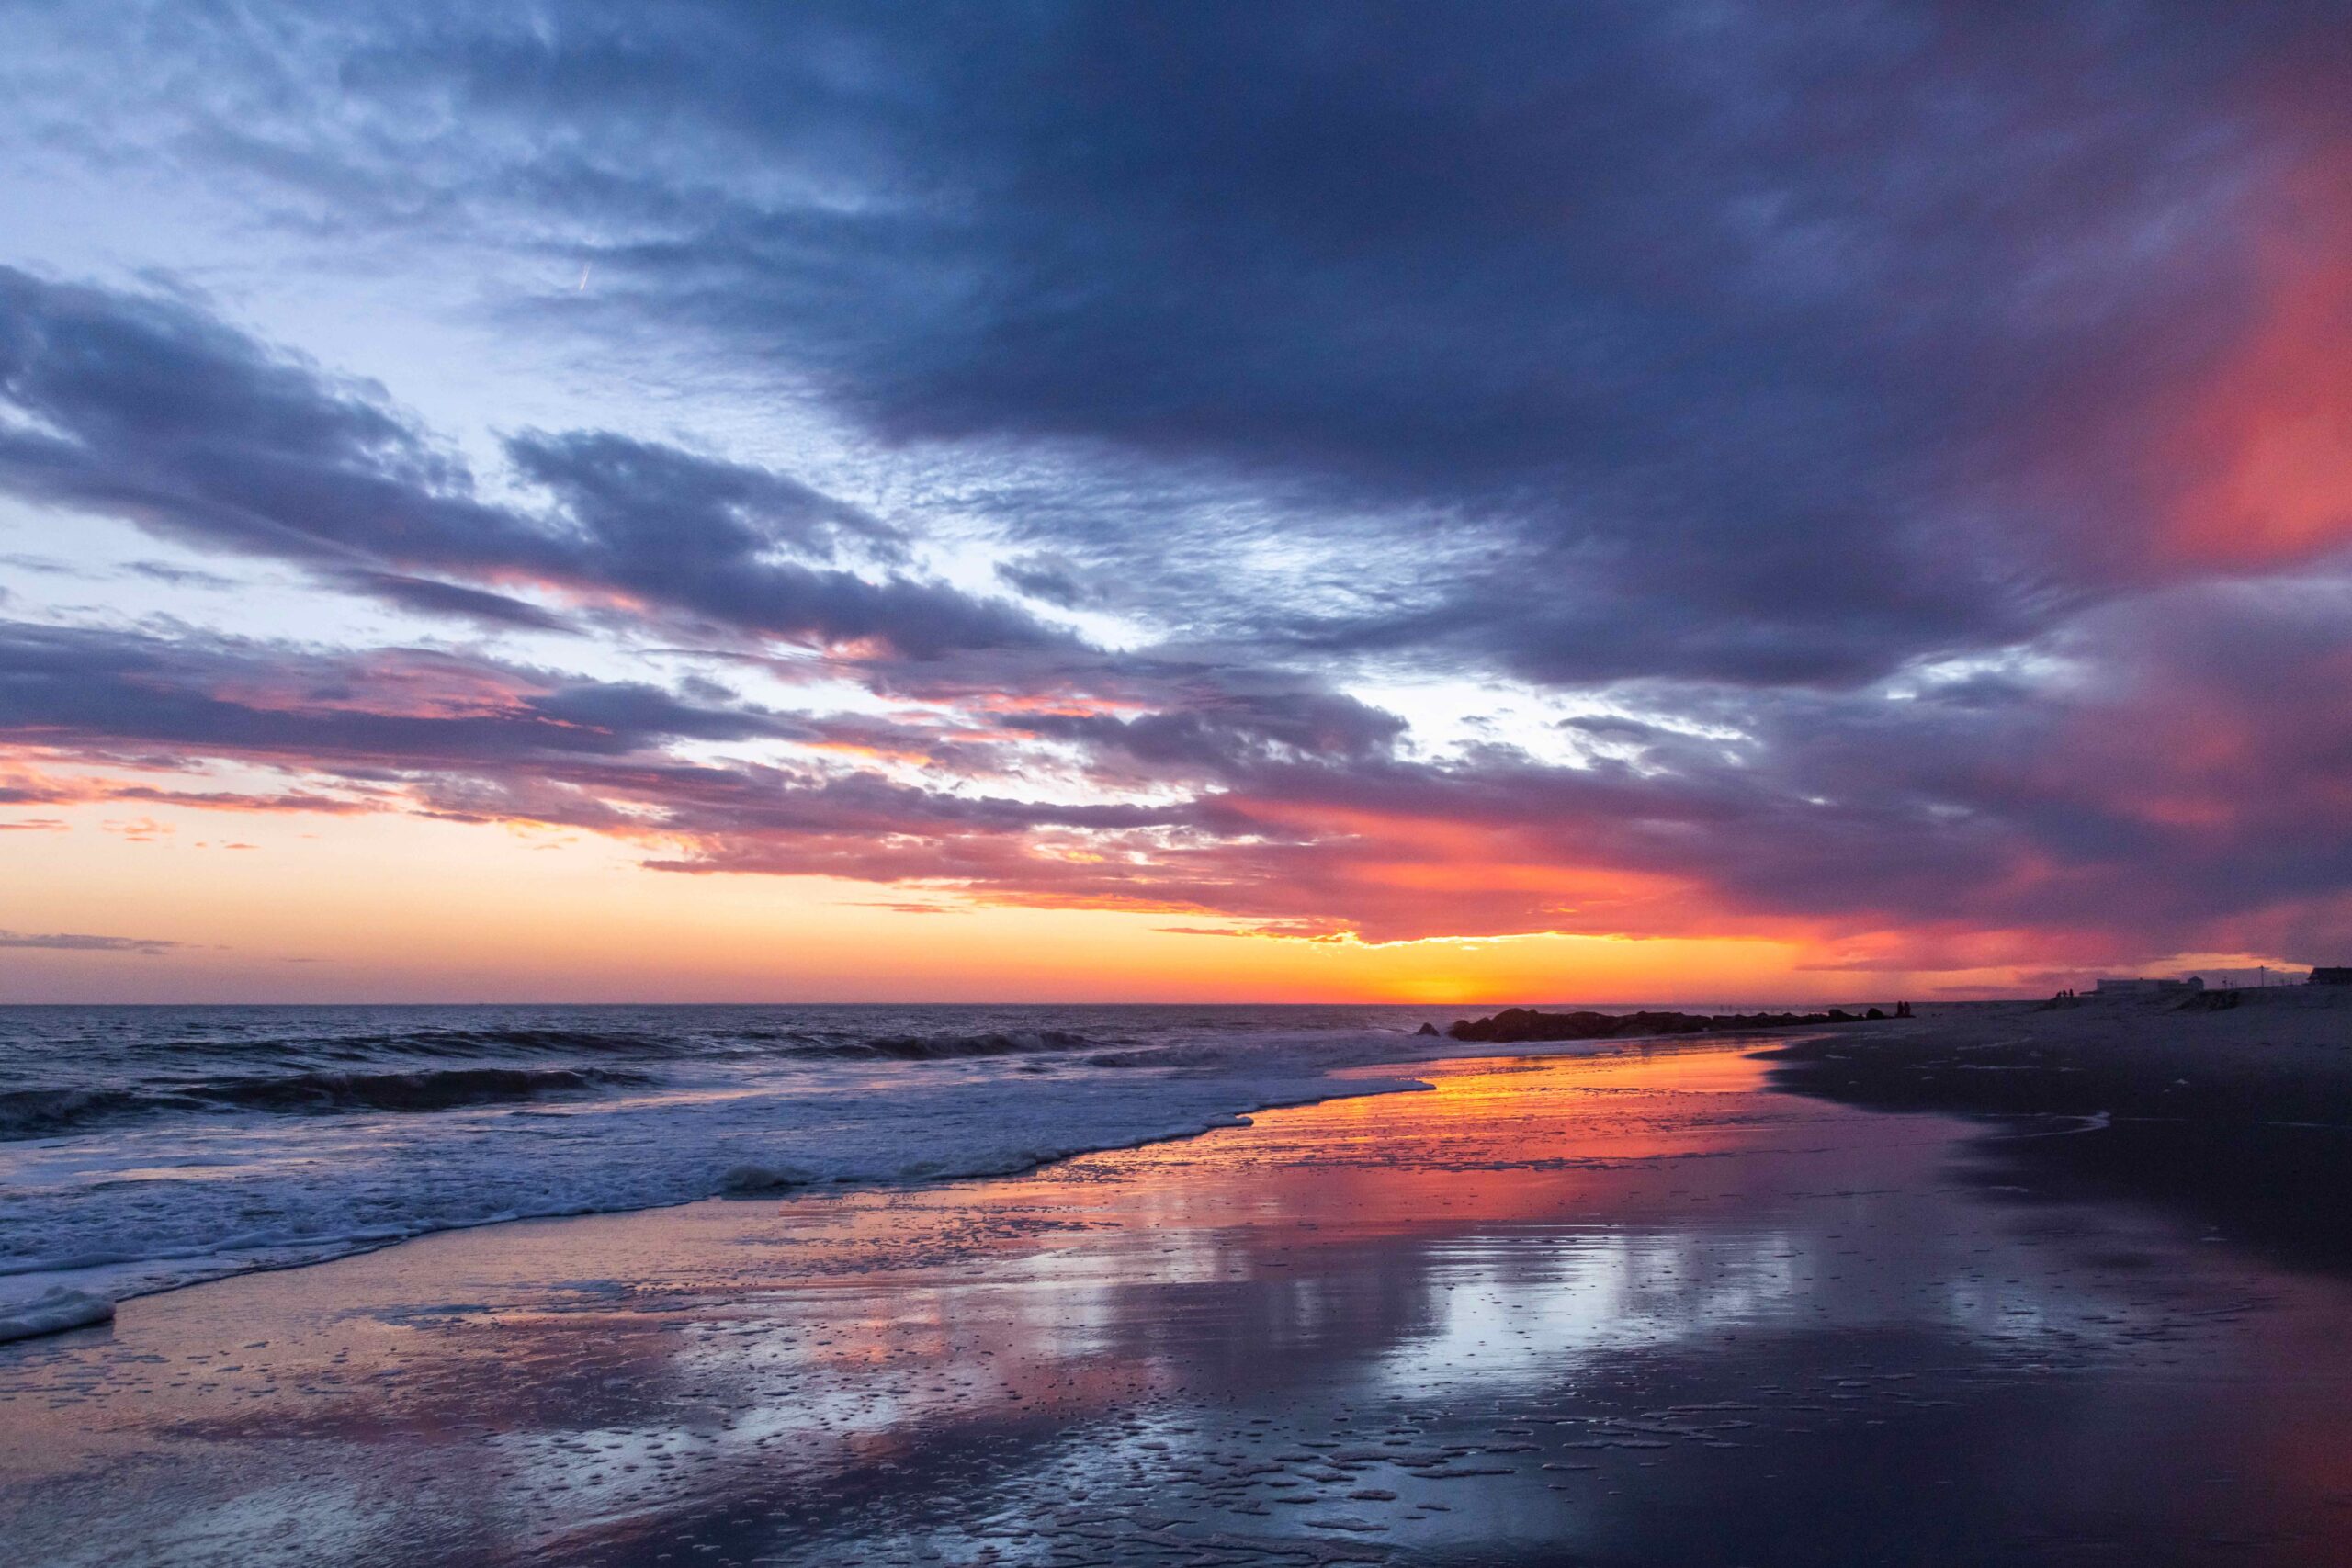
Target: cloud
(1683, 341)
(180, 576)
(1897, 456)
(68, 942)
(1044, 579)
(434, 598)
(144, 407)
(2186, 795)
(215, 697)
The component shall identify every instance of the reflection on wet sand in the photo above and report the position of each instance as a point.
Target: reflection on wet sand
(1628, 1309)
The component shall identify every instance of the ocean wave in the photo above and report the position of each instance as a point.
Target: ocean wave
(54, 1112)
(432, 1089)
(949, 1047)
(461, 1043)
(54, 1312)
(47, 1113)
(207, 1144)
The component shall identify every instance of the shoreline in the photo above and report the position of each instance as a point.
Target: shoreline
(2236, 1116)
(2281, 1053)
(38, 1302)
(1545, 1305)
(2283, 1059)
(60, 1307)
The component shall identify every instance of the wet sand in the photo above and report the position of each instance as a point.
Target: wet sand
(1632, 1309)
(2231, 1110)
(2276, 1055)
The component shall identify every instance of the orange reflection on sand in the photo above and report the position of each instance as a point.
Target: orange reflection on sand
(1496, 1141)
(1198, 1329)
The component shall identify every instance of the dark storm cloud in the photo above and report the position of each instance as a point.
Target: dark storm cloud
(1727, 341)
(148, 408)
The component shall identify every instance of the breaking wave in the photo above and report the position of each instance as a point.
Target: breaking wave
(54, 1112)
(949, 1047)
(47, 1113)
(437, 1088)
(142, 1149)
(463, 1043)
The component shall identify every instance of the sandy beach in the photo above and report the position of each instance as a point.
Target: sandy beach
(2232, 1110)
(1638, 1307)
(1094, 785)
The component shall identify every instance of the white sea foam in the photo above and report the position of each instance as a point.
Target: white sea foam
(55, 1310)
(146, 1204)
(197, 1148)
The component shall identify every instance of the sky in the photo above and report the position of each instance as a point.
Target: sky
(1284, 502)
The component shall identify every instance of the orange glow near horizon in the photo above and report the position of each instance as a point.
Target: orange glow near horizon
(1887, 538)
(287, 906)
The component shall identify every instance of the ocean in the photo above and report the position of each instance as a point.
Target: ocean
(145, 1147)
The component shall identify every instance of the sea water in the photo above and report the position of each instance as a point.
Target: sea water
(145, 1147)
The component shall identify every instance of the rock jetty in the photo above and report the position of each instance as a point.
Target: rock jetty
(1514, 1025)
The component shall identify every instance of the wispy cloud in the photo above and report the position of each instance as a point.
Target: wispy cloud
(71, 942)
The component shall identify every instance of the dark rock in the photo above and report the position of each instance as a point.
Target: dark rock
(1428, 1028)
(1519, 1025)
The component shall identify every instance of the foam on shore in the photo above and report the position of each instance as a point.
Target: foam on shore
(123, 1210)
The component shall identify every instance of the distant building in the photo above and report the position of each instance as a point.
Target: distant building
(2339, 976)
(2139, 987)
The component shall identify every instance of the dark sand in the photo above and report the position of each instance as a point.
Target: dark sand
(2230, 1109)
(1640, 1309)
